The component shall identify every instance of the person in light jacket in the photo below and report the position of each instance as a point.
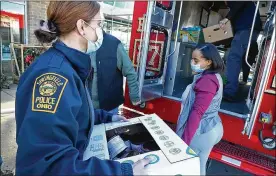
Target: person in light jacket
(199, 124)
(111, 64)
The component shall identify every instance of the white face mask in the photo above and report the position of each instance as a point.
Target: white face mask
(94, 46)
(196, 68)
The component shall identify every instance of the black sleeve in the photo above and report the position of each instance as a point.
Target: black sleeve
(235, 8)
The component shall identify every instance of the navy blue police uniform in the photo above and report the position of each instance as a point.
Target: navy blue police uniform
(55, 117)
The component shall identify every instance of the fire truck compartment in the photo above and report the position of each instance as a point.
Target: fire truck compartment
(169, 77)
(239, 107)
(179, 76)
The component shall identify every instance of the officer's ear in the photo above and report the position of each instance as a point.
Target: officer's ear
(80, 27)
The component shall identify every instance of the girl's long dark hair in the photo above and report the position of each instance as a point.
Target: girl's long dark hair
(210, 52)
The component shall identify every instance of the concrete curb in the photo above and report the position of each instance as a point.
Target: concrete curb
(7, 111)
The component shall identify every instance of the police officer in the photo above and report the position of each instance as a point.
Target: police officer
(54, 112)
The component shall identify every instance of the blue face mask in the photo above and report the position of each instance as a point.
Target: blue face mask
(196, 68)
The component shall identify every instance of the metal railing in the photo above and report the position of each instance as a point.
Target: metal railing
(145, 45)
(263, 83)
(250, 37)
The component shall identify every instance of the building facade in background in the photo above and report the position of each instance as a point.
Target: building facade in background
(118, 15)
(19, 19)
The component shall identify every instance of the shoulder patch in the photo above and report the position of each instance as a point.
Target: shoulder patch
(47, 91)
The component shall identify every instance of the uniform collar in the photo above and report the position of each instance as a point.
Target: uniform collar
(80, 61)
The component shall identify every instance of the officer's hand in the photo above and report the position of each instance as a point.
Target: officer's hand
(139, 167)
(116, 118)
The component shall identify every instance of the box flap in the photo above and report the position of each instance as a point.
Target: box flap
(173, 147)
(112, 125)
(97, 146)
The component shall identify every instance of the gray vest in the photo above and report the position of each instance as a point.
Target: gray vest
(210, 117)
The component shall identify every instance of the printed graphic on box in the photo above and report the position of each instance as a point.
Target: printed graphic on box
(97, 145)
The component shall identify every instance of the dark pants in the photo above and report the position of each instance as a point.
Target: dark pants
(234, 61)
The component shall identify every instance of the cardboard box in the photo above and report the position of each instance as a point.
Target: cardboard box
(168, 153)
(214, 34)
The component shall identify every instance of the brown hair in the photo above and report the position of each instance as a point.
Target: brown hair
(62, 18)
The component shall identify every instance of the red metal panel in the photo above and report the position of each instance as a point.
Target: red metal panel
(268, 105)
(140, 8)
(165, 3)
(169, 109)
(157, 45)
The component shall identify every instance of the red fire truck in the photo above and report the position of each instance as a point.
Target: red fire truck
(163, 67)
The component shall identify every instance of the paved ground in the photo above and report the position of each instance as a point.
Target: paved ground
(8, 97)
(8, 144)
(9, 147)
